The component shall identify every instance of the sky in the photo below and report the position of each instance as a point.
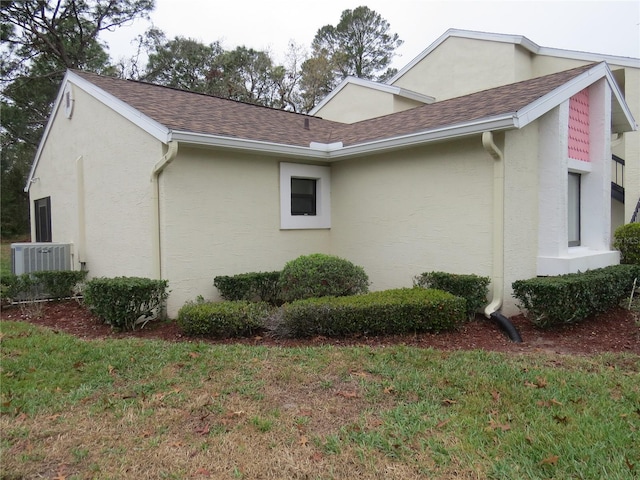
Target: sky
(608, 27)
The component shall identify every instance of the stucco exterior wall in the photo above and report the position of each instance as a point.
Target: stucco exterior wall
(355, 103)
(117, 159)
(402, 214)
(631, 144)
(220, 215)
(460, 66)
(520, 149)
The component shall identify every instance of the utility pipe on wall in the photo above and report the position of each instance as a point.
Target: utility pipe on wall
(82, 232)
(167, 158)
(497, 276)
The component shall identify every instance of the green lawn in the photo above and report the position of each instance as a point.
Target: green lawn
(147, 409)
(5, 257)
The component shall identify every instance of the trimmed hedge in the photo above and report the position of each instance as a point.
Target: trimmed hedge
(627, 239)
(472, 288)
(320, 275)
(126, 302)
(571, 298)
(50, 284)
(223, 319)
(405, 310)
(254, 287)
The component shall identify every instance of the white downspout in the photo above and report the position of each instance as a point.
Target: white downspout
(497, 277)
(166, 159)
(82, 231)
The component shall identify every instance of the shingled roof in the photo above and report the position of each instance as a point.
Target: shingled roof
(196, 113)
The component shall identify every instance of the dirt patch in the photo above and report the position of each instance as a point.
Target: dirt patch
(615, 331)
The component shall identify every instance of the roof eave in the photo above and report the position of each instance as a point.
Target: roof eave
(439, 134)
(336, 152)
(154, 128)
(560, 94)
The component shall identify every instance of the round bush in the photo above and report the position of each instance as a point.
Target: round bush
(627, 239)
(320, 275)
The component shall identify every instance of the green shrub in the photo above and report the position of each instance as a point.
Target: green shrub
(14, 287)
(571, 298)
(51, 284)
(405, 310)
(472, 288)
(320, 275)
(222, 319)
(254, 287)
(126, 302)
(627, 239)
(60, 284)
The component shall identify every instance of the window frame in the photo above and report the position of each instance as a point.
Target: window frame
(322, 176)
(42, 224)
(574, 209)
(305, 196)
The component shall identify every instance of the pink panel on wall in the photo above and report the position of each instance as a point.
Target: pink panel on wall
(579, 126)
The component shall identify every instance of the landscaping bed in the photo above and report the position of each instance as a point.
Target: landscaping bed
(615, 331)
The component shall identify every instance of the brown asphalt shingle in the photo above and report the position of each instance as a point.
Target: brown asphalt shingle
(180, 110)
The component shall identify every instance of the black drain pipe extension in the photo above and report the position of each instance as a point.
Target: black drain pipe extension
(492, 310)
(506, 326)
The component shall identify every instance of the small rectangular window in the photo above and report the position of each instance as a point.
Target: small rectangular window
(303, 196)
(42, 212)
(573, 210)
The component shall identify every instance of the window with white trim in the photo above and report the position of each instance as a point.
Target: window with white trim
(573, 209)
(305, 201)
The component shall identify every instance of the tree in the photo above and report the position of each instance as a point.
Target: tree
(360, 45)
(182, 63)
(41, 39)
(242, 74)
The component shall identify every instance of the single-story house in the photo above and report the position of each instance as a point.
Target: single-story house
(508, 182)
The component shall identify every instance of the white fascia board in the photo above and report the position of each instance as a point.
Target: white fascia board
(590, 57)
(335, 151)
(502, 122)
(381, 87)
(252, 146)
(523, 42)
(47, 129)
(454, 32)
(152, 127)
(554, 98)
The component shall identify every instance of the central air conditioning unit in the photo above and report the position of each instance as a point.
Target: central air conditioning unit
(38, 257)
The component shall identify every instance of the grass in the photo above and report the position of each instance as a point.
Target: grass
(5, 257)
(147, 409)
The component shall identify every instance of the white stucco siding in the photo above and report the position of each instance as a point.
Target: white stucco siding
(631, 143)
(355, 103)
(520, 149)
(460, 66)
(220, 215)
(117, 159)
(402, 214)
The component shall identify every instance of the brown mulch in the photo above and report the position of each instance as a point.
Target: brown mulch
(615, 331)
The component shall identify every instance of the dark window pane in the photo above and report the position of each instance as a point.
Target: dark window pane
(303, 196)
(43, 219)
(573, 211)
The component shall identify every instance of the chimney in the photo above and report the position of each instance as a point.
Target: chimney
(306, 124)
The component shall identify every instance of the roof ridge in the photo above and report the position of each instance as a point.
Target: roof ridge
(192, 92)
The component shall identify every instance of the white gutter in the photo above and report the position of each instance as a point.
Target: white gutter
(497, 276)
(331, 152)
(167, 158)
